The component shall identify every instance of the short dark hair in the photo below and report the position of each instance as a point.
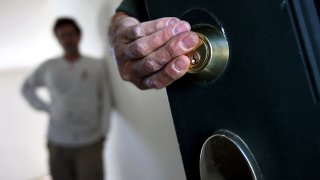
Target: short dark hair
(65, 21)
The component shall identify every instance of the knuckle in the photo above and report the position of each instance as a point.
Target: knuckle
(139, 49)
(165, 34)
(155, 84)
(124, 75)
(170, 74)
(158, 24)
(151, 66)
(168, 32)
(123, 71)
(137, 31)
(142, 86)
(158, 86)
(174, 49)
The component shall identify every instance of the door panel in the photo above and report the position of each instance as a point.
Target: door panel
(265, 95)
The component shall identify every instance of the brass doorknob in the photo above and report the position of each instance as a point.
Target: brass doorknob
(224, 155)
(210, 57)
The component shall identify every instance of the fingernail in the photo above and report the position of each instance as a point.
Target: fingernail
(172, 21)
(181, 28)
(180, 65)
(189, 41)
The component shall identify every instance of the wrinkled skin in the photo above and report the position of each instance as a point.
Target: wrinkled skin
(151, 54)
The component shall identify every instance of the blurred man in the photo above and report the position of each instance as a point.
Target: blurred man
(78, 97)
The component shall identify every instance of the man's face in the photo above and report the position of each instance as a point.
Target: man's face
(68, 38)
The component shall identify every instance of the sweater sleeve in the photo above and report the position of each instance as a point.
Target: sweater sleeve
(134, 8)
(30, 86)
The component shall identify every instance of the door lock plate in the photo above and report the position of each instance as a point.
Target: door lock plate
(210, 57)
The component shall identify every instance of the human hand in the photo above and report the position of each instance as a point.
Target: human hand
(151, 54)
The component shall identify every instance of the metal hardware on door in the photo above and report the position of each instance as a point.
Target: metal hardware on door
(210, 57)
(224, 156)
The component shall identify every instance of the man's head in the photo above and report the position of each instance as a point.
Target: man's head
(68, 34)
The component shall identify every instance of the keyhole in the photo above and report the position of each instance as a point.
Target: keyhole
(195, 58)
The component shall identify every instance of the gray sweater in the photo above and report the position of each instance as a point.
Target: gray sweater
(79, 93)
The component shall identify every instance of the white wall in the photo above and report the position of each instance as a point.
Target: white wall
(142, 144)
(25, 33)
(26, 40)
(22, 132)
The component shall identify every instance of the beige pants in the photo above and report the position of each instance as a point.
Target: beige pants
(76, 163)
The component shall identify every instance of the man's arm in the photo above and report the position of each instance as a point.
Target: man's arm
(29, 90)
(151, 54)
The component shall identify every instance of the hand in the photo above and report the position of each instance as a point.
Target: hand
(151, 54)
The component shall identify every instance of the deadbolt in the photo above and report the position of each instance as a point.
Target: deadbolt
(210, 57)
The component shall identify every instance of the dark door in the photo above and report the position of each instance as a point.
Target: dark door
(268, 94)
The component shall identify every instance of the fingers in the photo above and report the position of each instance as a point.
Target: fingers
(152, 54)
(119, 24)
(175, 47)
(171, 72)
(145, 45)
(147, 28)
